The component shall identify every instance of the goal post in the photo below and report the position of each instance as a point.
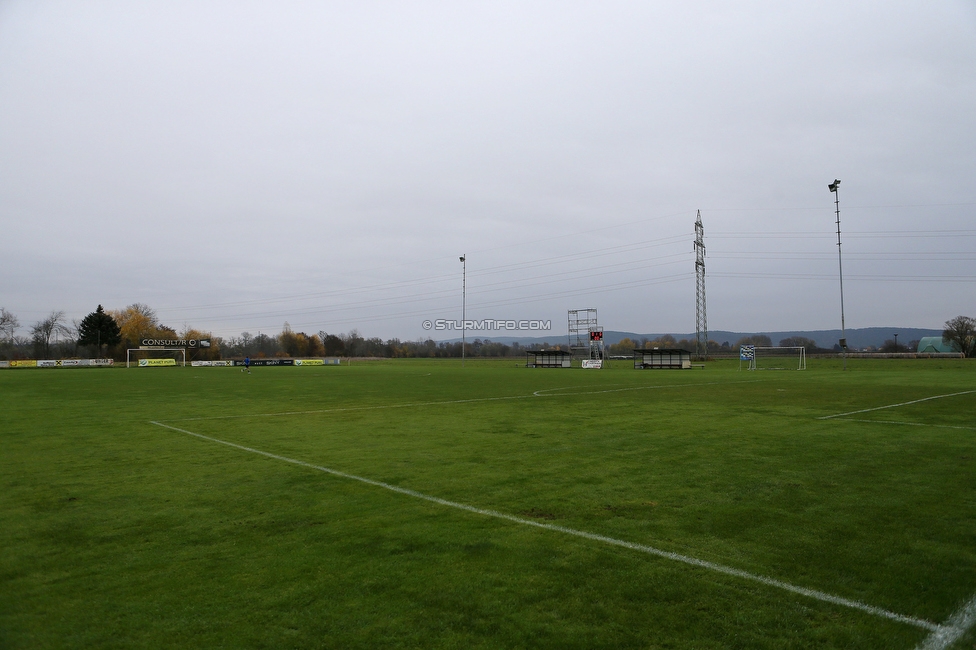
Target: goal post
(778, 357)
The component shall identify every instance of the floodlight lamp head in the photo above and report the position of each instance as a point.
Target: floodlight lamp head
(461, 258)
(833, 186)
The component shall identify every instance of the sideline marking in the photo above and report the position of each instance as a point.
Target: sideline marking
(650, 550)
(891, 406)
(453, 401)
(912, 424)
(950, 631)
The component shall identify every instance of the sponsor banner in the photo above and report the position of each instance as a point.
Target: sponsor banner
(174, 343)
(197, 364)
(747, 353)
(272, 362)
(56, 363)
(593, 363)
(267, 362)
(280, 362)
(147, 363)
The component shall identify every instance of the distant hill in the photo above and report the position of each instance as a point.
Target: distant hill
(856, 338)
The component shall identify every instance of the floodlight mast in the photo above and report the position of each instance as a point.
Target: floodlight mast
(464, 272)
(701, 321)
(840, 266)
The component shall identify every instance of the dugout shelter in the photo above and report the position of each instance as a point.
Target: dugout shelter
(548, 359)
(662, 358)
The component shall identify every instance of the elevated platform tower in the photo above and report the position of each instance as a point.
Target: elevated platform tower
(586, 335)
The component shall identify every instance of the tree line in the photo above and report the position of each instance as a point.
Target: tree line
(627, 345)
(353, 344)
(108, 334)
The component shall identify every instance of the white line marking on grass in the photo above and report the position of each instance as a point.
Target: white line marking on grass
(703, 564)
(891, 406)
(471, 400)
(912, 424)
(950, 631)
(539, 393)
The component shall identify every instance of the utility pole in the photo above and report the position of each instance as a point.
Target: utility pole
(464, 272)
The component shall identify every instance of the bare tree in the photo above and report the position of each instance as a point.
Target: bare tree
(961, 330)
(799, 342)
(43, 331)
(8, 325)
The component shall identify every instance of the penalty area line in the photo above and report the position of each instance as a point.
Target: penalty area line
(891, 406)
(650, 550)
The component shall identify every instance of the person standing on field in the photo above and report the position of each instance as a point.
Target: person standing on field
(247, 364)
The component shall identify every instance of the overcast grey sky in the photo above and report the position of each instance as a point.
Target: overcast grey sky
(236, 165)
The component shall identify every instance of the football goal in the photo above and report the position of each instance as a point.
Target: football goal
(775, 358)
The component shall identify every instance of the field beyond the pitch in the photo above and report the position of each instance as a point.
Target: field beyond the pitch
(125, 521)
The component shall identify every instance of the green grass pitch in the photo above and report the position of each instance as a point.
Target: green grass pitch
(117, 531)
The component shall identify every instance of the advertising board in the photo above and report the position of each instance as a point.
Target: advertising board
(150, 344)
(150, 363)
(56, 363)
(269, 362)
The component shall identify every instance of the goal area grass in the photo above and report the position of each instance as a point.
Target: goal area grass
(416, 503)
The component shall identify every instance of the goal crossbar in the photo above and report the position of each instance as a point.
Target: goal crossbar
(793, 352)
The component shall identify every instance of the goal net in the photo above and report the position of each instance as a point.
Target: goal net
(778, 358)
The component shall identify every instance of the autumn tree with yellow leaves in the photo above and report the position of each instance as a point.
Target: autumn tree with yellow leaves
(136, 322)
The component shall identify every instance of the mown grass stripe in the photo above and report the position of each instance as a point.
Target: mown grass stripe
(471, 400)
